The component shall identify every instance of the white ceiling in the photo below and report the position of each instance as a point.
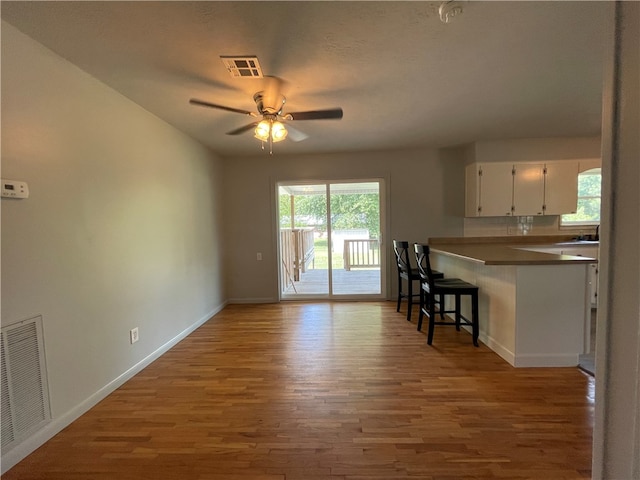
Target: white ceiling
(403, 78)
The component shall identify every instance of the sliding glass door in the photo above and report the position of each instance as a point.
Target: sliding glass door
(304, 238)
(330, 239)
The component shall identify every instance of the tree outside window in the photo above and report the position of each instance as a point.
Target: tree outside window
(348, 211)
(589, 192)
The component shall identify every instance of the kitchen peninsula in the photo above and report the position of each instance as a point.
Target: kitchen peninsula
(534, 301)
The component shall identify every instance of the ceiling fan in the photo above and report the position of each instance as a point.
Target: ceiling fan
(271, 127)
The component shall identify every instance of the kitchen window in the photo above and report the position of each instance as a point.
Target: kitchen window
(589, 191)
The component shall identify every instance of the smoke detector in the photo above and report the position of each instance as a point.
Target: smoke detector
(448, 10)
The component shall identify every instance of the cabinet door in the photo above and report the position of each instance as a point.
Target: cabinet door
(496, 189)
(528, 189)
(472, 190)
(561, 187)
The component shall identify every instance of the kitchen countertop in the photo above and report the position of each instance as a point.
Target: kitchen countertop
(510, 250)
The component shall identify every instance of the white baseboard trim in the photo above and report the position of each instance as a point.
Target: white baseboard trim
(56, 425)
(252, 300)
(547, 360)
(504, 352)
(531, 359)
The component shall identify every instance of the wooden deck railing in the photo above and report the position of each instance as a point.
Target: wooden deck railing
(361, 254)
(297, 253)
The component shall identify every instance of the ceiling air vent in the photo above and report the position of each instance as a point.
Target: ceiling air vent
(247, 67)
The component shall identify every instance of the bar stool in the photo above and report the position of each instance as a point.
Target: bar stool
(407, 272)
(432, 286)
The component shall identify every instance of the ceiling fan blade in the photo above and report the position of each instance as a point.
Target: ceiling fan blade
(333, 113)
(295, 135)
(202, 103)
(243, 129)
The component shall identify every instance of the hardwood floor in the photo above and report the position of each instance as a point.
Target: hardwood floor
(335, 391)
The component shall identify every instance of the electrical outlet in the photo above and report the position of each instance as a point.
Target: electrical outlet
(133, 335)
(259, 256)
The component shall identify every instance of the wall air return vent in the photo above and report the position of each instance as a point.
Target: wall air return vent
(25, 395)
(247, 67)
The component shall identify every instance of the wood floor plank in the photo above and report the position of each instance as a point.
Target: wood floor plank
(341, 391)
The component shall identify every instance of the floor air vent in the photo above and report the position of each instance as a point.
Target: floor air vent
(25, 396)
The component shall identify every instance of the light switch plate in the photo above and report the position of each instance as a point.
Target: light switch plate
(14, 189)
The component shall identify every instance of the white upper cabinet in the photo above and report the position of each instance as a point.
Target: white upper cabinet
(561, 187)
(514, 189)
(528, 189)
(489, 190)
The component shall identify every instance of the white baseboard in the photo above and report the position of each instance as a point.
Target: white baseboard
(530, 360)
(252, 300)
(547, 360)
(504, 352)
(30, 444)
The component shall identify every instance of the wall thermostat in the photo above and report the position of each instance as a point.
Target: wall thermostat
(14, 189)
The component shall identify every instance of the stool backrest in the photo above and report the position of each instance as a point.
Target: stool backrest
(401, 250)
(424, 265)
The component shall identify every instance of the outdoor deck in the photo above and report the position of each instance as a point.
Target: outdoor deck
(354, 282)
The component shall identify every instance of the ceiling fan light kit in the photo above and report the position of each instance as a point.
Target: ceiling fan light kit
(262, 131)
(270, 130)
(278, 132)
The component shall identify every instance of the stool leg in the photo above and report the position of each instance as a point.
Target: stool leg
(432, 317)
(474, 318)
(442, 306)
(457, 312)
(424, 306)
(409, 299)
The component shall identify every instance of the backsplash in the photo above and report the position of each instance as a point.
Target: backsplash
(502, 226)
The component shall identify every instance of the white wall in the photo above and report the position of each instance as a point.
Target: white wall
(537, 149)
(122, 228)
(425, 188)
(585, 149)
(617, 428)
